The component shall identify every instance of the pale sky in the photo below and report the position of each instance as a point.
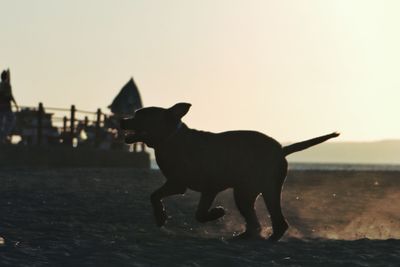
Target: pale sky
(291, 69)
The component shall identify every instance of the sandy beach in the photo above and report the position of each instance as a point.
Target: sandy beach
(103, 217)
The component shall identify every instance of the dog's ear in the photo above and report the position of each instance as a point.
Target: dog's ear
(179, 110)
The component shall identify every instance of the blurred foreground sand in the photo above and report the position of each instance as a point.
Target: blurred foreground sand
(103, 217)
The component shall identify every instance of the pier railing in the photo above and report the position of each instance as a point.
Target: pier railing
(67, 125)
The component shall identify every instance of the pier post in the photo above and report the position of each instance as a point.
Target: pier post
(98, 121)
(72, 124)
(86, 122)
(40, 113)
(64, 136)
(65, 125)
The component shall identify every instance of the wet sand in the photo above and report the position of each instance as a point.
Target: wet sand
(102, 217)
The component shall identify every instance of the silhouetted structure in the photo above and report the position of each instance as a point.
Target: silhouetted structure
(35, 125)
(7, 117)
(53, 136)
(125, 104)
(127, 101)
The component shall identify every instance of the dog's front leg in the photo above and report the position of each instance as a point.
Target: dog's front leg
(166, 190)
(204, 213)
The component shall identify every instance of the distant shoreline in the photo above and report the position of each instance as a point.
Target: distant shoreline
(307, 166)
(343, 167)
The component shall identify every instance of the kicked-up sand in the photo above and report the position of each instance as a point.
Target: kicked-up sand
(103, 217)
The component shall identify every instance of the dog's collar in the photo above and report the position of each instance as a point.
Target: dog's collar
(178, 127)
(175, 132)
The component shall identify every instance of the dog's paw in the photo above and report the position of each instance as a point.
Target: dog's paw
(216, 213)
(161, 218)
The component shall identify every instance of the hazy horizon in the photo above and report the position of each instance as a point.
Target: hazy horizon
(292, 69)
(384, 152)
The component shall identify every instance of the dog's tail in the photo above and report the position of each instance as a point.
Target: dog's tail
(308, 143)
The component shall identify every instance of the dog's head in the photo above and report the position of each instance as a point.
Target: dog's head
(153, 125)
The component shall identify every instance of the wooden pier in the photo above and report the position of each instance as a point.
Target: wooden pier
(48, 145)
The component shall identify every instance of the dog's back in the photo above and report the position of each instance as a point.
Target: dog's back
(207, 160)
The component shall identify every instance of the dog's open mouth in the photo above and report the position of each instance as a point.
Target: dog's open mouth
(129, 132)
(132, 136)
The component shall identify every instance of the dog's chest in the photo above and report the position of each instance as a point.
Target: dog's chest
(186, 170)
(176, 167)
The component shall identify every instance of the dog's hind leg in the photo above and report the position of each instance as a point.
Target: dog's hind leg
(204, 213)
(272, 199)
(279, 224)
(244, 200)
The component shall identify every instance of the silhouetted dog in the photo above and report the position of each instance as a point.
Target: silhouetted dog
(247, 161)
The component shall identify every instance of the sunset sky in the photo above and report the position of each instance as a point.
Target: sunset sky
(291, 69)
